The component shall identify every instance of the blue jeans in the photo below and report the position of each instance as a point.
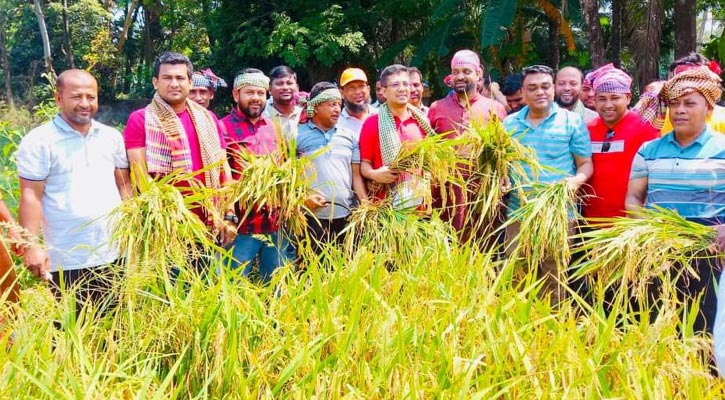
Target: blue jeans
(271, 252)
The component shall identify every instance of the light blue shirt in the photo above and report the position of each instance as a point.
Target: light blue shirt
(333, 151)
(689, 180)
(556, 140)
(80, 189)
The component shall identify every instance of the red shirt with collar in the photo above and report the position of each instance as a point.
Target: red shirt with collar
(408, 130)
(607, 187)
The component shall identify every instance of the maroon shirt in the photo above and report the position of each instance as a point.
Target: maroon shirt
(448, 115)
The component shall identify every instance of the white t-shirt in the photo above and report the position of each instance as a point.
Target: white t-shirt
(80, 189)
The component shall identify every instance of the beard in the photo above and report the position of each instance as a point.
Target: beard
(355, 108)
(469, 88)
(249, 113)
(566, 104)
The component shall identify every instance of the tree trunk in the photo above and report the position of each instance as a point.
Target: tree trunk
(67, 37)
(48, 57)
(594, 32)
(152, 30)
(644, 30)
(126, 25)
(685, 21)
(5, 60)
(554, 56)
(615, 40)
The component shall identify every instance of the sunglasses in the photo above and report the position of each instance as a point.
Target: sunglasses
(607, 144)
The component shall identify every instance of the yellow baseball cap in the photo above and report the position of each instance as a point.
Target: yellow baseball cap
(352, 74)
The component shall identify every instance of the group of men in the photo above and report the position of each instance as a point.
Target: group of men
(74, 170)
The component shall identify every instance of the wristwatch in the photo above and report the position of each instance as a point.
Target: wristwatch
(231, 218)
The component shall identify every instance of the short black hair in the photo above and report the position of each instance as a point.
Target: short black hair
(690, 59)
(537, 69)
(173, 58)
(248, 71)
(321, 87)
(391, 70)
(282, 71)
(512, 84)
(415, 70)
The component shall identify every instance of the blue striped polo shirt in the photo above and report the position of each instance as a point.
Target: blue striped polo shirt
(556, 140)
(689, 180)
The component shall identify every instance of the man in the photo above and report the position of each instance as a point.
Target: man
(587, 93)
(568, 89)
(250, 130)
(562, 145)
(333, 172)
(282, 109)
(616, 136)
(379, 95)
(685, 171)
(452, 115)
(381, 137)
(356, 100)
(73, 171)
(204, 85)
(9, 287)
(717, 119)
(416, 89)
(174, 134)
(512, 90)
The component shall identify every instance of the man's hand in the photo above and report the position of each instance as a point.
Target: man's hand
(227, 233)
(315, 201)
(384, 175)
(720, 241)
(16, 242)
(574, 183)
(36, 260)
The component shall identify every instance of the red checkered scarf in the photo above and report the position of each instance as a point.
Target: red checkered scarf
(167, 146)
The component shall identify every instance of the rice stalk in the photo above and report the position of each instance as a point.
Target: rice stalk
(400, 234)
(278, 181)
(157, 226)
(631, 251)
(437, 156)
(544, 219)
(496, 156)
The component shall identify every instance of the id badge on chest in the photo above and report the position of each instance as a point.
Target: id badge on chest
(613, 146)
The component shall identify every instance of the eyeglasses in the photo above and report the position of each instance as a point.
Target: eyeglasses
(607, 144)
(397, 85)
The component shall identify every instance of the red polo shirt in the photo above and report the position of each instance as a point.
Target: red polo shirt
(447, 114)
(408, 130)
(607, 187)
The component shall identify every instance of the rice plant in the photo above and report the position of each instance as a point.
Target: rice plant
(631, 251)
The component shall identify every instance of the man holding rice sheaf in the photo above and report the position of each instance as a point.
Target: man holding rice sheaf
(685, 171)
(382, 136)
(248, 129)
(562, 145)
(333, 173)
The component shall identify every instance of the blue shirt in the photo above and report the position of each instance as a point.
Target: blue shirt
(80, 189)
(333, 152)
(556, 140)
(689, 180)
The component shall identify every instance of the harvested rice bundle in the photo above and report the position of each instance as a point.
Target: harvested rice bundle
(279, 181)
(631, 251)
(157, 226)
(545, 217)
(402, 235)
(436, 156)
(496, 156)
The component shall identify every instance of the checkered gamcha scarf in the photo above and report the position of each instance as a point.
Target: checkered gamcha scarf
(167, 146)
